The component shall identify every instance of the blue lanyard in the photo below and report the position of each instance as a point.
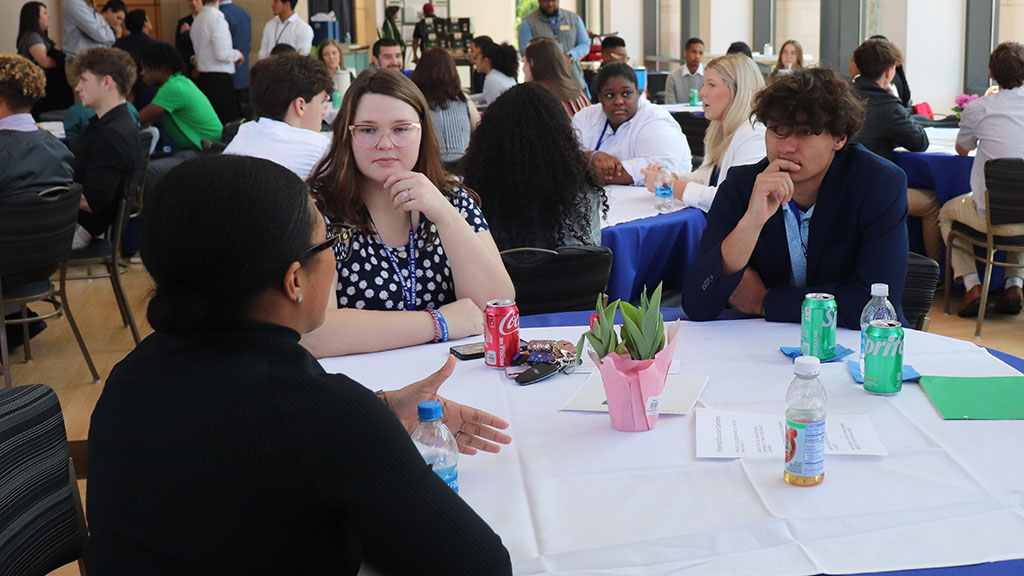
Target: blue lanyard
(553, 22)
(277, 40)
(409, 291)
(607, 123)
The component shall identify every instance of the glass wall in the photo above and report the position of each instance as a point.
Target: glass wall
(799, 20)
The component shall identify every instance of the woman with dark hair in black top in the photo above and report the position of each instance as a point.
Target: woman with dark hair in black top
(219, 445)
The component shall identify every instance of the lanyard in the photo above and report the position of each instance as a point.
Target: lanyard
(409, 291)
(277, 39)
(607, 123)
(553, 22)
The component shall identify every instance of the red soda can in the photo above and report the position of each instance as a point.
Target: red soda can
(501, 338)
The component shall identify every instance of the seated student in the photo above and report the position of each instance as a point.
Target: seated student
(329, 52)
(283, 48)
(993, 125)
(819, 214)
(289, 94)
(454, 116)
(791, 58)
(187, 115)
(220, 446)
(500, 63)
(689, 76)
(109, 151)
(898, 85)
(613, 49)
(386, 53)
(544, 63)
(422, 256)
(732, 138)
(740, 48)
(625, 133)
(558, 200)
(76, 120)
(473, 55)
(139, 28)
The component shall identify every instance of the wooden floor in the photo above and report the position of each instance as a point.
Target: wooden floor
(59, 364)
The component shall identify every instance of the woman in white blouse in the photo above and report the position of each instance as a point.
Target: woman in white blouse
(500, 62)
(732, 139)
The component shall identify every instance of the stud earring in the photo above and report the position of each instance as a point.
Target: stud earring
(298, 299)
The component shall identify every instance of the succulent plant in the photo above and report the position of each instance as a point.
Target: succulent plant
(643, 328)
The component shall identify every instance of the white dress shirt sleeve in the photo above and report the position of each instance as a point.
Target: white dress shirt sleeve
(221, 43)
(267, 43)
(304, 38)
(746, 147)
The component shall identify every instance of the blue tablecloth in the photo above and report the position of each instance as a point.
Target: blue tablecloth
(948, 174)
(651, 250)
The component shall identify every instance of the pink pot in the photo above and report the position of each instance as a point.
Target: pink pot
(634, 387)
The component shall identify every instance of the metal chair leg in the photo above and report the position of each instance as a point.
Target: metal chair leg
(949, 271)
(984, 291)
(4, 362)
(126, 308)
(25, 334)
(74, 326)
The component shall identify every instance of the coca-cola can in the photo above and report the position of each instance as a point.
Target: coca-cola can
(501, 337)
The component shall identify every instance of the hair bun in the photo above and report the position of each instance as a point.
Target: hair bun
(178, 310)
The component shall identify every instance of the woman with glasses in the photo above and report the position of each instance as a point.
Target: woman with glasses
(422, 264)
(220, 445)
(624, 133)
(733, 138)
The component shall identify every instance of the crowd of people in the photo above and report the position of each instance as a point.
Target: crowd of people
(383, 229)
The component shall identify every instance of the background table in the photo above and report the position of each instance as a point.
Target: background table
(572, 494)
(647, 247)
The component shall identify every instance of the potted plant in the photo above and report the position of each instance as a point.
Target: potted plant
(634, 363)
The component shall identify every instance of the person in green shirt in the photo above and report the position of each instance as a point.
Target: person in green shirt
(187, 114)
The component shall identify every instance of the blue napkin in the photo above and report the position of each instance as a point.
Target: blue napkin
(909, 373)
(794, 351)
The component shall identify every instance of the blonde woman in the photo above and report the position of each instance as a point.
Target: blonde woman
(791, 58)
(732, 139)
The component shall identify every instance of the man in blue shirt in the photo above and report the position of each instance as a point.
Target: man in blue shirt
(240, 25)
(817, 215)
(567, 28)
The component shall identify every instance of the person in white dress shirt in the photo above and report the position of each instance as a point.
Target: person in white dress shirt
(216, 60)
(732, 139)
(993, 125)
(286, 28)
(625, 133)
(290, 94)
(688, 76)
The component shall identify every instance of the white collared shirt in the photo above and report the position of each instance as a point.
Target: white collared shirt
(680, 81)
(993, 124)
(292, 31)
(297, 149)
(650, 136)
(211, 39)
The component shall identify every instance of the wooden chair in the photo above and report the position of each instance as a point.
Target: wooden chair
(1004, 201)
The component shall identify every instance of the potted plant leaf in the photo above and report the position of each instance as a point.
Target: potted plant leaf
(634, 363)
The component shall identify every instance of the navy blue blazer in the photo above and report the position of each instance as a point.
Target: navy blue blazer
(858, 236)
(240, 25)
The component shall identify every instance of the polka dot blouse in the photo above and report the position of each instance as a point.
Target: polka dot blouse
(367, 280)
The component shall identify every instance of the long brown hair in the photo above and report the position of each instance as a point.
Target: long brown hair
(548, 69)
(335, 181)
(438, 79)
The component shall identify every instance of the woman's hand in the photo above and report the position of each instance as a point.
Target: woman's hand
(414, 191)
(608, 167)
(463, 317)
(474, 429)
(650, 173)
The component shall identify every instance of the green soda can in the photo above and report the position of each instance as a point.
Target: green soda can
(694, 96)
(883, 357)
(818, 326)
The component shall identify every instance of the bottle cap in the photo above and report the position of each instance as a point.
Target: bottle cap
(806, 366)
(880, 290)
(431, 410)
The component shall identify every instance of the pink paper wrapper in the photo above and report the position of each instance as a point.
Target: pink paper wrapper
(633, 387)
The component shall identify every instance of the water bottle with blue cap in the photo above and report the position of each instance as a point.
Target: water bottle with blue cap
(436, 443)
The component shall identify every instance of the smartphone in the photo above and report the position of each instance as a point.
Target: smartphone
(468, 351)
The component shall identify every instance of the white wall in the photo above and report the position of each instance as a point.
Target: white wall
(729, 21)
(493, 18)
(10, 12)
(931, 35)
(627, 18)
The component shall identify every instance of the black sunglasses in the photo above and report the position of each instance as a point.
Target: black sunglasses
(339, 238)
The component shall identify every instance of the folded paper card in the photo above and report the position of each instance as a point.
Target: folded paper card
(727, 434)
(794, 351)
(909, 374)
(993, 398)
(680, 395)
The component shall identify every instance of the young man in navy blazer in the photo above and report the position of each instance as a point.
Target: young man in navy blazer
(817, 215)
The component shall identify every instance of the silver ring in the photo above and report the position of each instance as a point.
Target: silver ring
(457, 434)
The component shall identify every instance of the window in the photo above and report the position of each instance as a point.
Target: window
(670, 29)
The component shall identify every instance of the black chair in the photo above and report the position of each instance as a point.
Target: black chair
(107, 251)
(1004, 201)
(656, 86)
(919, 290)
(694, 127)
(43, 525)
(35, 240)
(561, 280)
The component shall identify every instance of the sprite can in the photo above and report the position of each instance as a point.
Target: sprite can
(883, 357)
(818, 326)
(694, 96)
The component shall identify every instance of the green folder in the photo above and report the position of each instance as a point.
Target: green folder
(996, 398)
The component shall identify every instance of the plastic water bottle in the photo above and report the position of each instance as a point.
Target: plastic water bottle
(805, 425)
(663, 191)
(348, 37)
(436, 443)
(878, 308)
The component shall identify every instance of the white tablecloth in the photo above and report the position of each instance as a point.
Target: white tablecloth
(570, 494)
(628, 203)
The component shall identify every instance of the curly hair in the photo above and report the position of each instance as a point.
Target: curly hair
(1006, 63)
(814, 97)
(21, 82)
(525, 162)
(438, 79)
(503, 57)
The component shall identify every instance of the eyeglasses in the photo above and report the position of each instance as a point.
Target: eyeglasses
(367, 136)
(339, 238)
(625, 94)
(783, 132)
